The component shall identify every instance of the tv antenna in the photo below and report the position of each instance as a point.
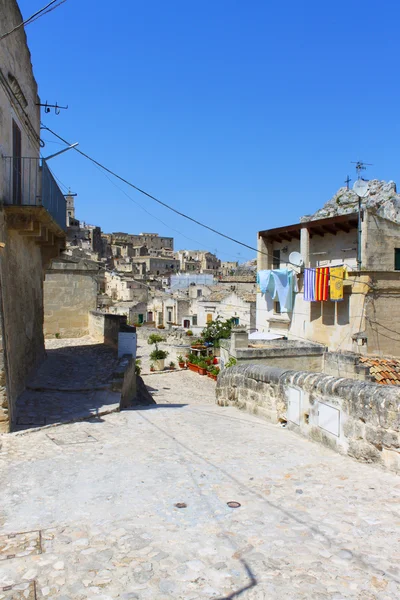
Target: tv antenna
(360, 166)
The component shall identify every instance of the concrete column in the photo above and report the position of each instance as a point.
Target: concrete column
(305, 245)
(264, 255)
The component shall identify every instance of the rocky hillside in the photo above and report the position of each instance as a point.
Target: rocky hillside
(382, 199)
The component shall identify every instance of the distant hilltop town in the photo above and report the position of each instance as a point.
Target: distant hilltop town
(144, 255)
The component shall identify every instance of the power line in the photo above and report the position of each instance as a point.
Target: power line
(154, 216)
(179, 212)
(138, 189)
(40, 13)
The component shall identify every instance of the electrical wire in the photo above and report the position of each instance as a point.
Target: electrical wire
(40, 13)
(138, 189)
(157, 218)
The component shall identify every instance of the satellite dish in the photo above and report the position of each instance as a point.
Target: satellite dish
(361, 188)
(295, 258)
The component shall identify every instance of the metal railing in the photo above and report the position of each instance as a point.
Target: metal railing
(53, 199)
(29, 183)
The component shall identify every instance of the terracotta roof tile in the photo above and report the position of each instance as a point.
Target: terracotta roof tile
(383, 370)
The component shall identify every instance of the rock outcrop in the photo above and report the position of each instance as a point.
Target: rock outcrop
(382, 200)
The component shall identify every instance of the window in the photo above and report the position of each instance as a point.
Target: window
(160, 319)
(328, 313)
(141, 319)
(17, 164)
(276, 259)
(170, 315)
(194, 320)
(199, 293)
(277, 307)
(209, 317)
(235, 320)
(397, 259)
(343, 310)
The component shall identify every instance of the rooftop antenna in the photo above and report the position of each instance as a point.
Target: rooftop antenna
(360, 166)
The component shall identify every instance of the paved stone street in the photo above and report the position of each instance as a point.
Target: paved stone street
(71, 384)
(92, 510)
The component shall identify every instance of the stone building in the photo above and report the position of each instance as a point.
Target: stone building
(197, 261)
(122, 288)
(369, 248)
(167, 309)
(32, 217)
(151, 240)
(71, 288)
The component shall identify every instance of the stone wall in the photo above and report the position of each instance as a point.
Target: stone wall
(345, 364)
(356, 418)
(286, 354)
(70, 293)
(104, 327)
(22, 307)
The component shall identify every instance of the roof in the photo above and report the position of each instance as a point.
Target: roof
(246, 296)
(316, 227)
(216, 296)
(251, 278)
(385, 371)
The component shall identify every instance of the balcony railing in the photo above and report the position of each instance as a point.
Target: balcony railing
(29, 183)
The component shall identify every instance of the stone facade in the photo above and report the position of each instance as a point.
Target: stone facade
(29, 232)
(356, 418)
(361, 322)
(70, 293)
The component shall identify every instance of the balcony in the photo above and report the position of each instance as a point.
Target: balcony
(32, 199)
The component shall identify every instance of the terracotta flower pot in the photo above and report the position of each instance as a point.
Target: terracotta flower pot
(181, 365)
(202, 371)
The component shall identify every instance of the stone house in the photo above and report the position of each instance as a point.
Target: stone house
(167, 309)
(368, 245)
(197, 261)
(71, 289)
(32, 217)
(221, 303)
(153, 266)
(228, 267)
(122, 288)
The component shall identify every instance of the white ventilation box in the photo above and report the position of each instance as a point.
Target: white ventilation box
(329, 418)
(294, 405)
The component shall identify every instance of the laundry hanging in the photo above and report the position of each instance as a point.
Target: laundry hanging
(309, 285)
(337, 275)
(322, 284)
(280, 284)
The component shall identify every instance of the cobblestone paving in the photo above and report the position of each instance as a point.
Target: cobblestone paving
(312, 524)
(71, 384)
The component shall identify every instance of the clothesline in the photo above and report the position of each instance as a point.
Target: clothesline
(319, 284)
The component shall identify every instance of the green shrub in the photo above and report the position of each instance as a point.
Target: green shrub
(158, 354)
(189, 332)
(155, 338)
(231, 362)
(138, 370)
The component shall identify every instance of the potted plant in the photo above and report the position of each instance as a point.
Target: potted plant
(158, 357)
(172, 365)
(189, 332)
(181, 362)
(215, 372)
(202, 367)
(151, 367)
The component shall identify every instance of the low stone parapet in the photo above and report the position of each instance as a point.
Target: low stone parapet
(357, 418)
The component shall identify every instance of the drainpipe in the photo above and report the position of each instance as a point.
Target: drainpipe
(359, 235)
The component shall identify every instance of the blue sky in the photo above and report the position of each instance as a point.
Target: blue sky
(245, 115)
